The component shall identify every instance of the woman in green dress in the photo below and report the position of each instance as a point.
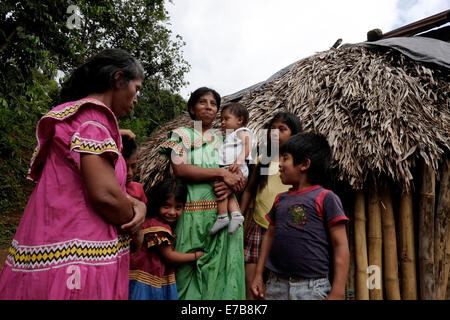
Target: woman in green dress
(193, 155)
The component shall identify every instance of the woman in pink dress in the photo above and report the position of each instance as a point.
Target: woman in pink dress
(73, 239)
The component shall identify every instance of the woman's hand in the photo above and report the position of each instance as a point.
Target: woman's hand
(234, 167)
(235, 181)
(127, 132)
(221, 190)
(140, 211)
(199, 254)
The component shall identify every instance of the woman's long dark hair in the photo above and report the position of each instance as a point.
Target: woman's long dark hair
(293, 122)
(197, 94)
(96, 75)
(159, 194)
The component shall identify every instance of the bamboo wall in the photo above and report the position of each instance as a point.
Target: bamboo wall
(402, 240)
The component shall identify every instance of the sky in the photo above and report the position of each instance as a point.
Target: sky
(234, 44)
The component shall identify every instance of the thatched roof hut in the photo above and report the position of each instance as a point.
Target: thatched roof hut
(385, 108)
(380, 110)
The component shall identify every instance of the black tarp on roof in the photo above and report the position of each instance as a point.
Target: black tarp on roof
(421, 49)
(418, 48)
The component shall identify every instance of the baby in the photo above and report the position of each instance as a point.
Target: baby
(235, 150)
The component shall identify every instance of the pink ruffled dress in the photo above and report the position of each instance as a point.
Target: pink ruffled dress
(64, 249)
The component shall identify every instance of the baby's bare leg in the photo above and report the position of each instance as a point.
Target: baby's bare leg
(222, 206)
(222, 217)
(237, 219)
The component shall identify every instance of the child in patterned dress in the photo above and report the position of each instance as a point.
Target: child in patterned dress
(152, 274)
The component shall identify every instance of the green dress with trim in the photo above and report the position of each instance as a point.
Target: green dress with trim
(219, 274)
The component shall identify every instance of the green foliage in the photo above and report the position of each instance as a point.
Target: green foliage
(36, 42)
(155, 107)
(7, 230)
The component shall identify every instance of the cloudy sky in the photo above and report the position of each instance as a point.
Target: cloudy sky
(233, 44)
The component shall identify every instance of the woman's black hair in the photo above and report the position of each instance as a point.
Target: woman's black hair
(197, 94)
(294, 124)
(96, 75)
(129, 147)
(159, 194)
(238, 110)
(312, 146)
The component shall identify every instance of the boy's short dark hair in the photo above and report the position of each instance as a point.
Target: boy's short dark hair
(312, 146)
(129, 147)
(238, 110)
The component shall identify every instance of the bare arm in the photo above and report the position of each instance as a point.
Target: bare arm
(194, 173)
(103, 190)
(258, 284)
(341, 258)
(173, 257)
(127, 132)
(246, 138)
(247, 194)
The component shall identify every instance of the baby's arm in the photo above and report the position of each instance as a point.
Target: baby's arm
(338, 236)
(246, 138)
(173, 257)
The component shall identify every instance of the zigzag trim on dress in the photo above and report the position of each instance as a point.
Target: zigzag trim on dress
(93, 146)
(39, 258)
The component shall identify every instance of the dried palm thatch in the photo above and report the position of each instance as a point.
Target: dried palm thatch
(153, 168)
(380, 111)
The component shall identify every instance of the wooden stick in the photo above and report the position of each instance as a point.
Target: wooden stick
(446, 292)
(350, 284)
(442, 233)
(426, 233)
(390, 261)
(447, 297)
(375, 243)
(406, 247)
(362, 290)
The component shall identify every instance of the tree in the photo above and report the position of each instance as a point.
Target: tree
(37, 40)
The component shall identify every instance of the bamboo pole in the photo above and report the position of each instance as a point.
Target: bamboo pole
(448, 291)
(362, 290)
(406, 247)
(426, 233)
(442, 233)
(375, 244)
(350, 284)
(390, 261)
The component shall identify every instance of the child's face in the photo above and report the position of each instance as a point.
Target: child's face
(282, 134)
(230, 120)
(131, 167)
(170, 210)
(289, 172)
